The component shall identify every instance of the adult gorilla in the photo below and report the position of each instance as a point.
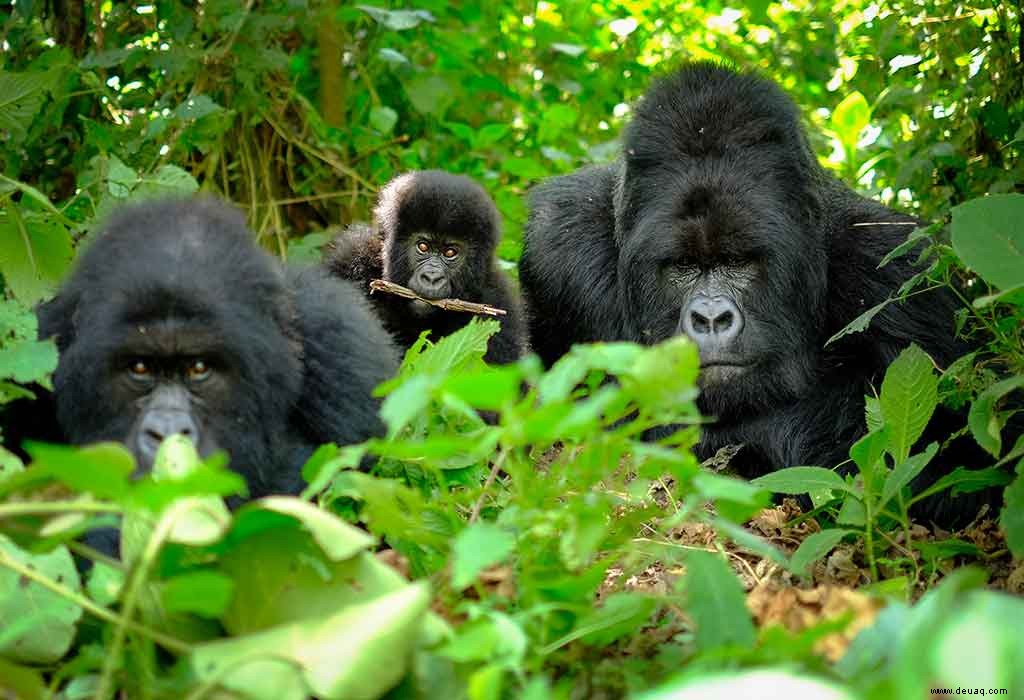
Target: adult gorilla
(174, 321)
(718, 222)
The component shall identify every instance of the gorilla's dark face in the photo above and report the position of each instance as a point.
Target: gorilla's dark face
(434, 262)
(716, 227)
(175, 327)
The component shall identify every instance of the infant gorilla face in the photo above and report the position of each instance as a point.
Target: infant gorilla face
(435, 261)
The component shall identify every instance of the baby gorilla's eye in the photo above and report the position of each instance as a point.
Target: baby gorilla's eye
(422, 247)
(450, 252)
(197, 371)
(138, 369)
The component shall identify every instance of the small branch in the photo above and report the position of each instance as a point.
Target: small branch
(446, 304)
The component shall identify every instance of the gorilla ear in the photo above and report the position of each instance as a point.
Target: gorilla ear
(56, 319)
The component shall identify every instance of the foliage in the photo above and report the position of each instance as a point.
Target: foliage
(528, 531)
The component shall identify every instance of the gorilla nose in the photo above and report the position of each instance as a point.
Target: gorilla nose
(432, 278)
(158, 425)
(712, 320)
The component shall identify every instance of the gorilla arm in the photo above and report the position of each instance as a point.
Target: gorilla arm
(570, 262)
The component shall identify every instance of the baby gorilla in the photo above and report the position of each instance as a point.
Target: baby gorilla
(174, 321)
(437, 234)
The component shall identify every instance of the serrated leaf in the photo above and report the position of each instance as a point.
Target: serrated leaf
(37, 625)
(915, 237)
(796, 480)
(716, 602)
(860, 323)
(480, 545)
(910, 393)
(988, 237)
(28, 361)
(21, 98)
(982, 419)
(814, 547)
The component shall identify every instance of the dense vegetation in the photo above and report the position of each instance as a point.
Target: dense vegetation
(553, 554)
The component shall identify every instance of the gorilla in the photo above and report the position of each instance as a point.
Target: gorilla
(717, 222)
(174, 321)
(437, 234)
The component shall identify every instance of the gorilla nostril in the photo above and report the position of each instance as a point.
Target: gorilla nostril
(723, 322)
(699, 323)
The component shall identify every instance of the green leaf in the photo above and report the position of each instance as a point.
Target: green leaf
(716, 603)
(21, 98)
(525, 168)
(850, 118)
(860, 323)
(480, 545)
(814, 547)
(35, 252)
(205, 593)
(383, 119)
(910, 393)
(335, 658)
(102, 469)
(37, 625)
(338, 539)
(982, 418)
(1011, 519)
(490, 134)
(796, 480)
(165, 181)
(397, 20)
(621, 614)
(430, 94)
(197, 107)
(28, 361)
(748, 684)
(904, 472)
(867, 454)
(988, 237)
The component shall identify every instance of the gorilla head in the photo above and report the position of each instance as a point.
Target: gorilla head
(440, 233)
(175, 322)
(714, 217)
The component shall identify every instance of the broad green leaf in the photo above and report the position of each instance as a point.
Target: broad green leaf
(982, 419)
(867, 454)
(338, 539)
(21, 683)
(383, 119)
(102, 469)
(205, 593)
(908, 399)
(197, 107)
(28, 360)
(850, 118)
(525, 168)
(336, 658)
(796, 480)
(490, 134)
(492, 636)
(21, 98)
(480, 545)
(814, 547)
(165, 181)
(988, 237)
(37, 625)
(35, 252)
(904, 472)
(716, 602)
(430, 94)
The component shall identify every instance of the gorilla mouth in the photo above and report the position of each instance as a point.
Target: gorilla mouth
(716, 371)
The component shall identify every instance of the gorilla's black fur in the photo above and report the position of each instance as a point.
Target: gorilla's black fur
(719, 223)
(420, 218)
(175, 321)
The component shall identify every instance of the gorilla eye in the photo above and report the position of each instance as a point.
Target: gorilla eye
(139, 369)
(422, 247)
(197, 371)
(450, 252)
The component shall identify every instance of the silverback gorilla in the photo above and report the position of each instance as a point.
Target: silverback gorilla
(174, 321)
(718, 222)
(437, 234)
